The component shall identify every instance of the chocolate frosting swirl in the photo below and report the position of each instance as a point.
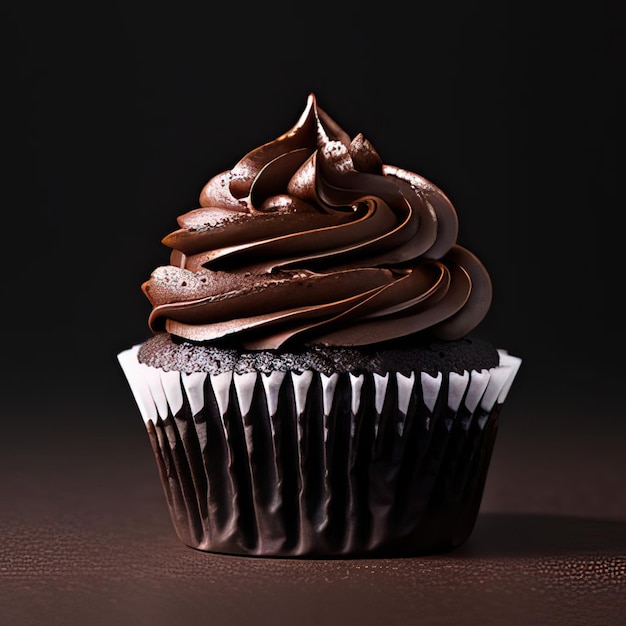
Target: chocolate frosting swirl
(312, 239)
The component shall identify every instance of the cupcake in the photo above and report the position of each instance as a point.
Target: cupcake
(311, 386)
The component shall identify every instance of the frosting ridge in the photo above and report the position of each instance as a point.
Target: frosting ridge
(311, 238)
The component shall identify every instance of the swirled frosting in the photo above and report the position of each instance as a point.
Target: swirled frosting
(312, 239)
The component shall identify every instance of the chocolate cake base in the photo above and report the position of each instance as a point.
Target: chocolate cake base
(295, 461)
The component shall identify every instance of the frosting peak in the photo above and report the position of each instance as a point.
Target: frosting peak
(311, 238)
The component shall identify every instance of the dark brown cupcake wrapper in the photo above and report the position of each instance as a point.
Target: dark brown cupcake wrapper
(290, 464)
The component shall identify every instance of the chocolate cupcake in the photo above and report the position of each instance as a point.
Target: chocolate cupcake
(312, 387)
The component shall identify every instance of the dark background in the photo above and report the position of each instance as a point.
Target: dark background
(117, 113)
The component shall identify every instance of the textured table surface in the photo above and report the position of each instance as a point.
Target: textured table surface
(85, 538)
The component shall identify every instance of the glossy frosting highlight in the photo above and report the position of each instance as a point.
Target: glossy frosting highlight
(312, 239)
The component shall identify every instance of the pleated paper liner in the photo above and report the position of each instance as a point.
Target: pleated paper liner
(305, 464)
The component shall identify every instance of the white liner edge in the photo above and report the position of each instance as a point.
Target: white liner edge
(154, 389)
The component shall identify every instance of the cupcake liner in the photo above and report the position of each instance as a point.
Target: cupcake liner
(307, 464)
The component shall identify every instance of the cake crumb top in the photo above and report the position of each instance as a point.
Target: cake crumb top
(430, 356)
